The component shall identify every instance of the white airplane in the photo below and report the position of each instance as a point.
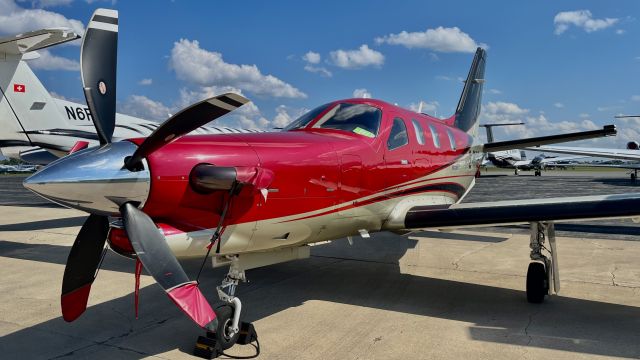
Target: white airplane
(632, 152)
(37, 128)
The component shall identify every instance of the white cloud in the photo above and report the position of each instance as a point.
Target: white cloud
(145, 82)
(207, 68)
(439, 39)
(312, 57)
(318, 69)
(356, 59)
(285, 115)
(361, 93)
(582, 19)
(558, 105)
(443, 77)
(584, 115)
(47, 3)
(620, 31)
(494, 91)
(145, 108)
(635, 98)
(500, 111)
(15, 19)
(428, 107)
(48, 61)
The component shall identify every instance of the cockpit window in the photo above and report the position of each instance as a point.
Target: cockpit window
(305, 119)
(361, 119)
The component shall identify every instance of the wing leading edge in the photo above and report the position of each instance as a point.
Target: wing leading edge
(524, 211)
(623, 154)
(607, 130)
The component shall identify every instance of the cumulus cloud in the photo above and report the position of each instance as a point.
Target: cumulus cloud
(145, 82)
(145, 108)
(356, 59)
(15, 19)
(428, 107)
(361, 93)
(285, 115)
(312, 57)
(207, 68)
(439, 39)
(48, 61)
(47, 3)
(581, 19)
(558, 105)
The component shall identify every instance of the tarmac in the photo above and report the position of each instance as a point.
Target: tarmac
(428, 295)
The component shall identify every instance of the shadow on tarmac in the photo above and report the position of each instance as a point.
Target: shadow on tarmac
(365, 274)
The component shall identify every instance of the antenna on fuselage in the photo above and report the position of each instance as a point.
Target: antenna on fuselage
(490, 127)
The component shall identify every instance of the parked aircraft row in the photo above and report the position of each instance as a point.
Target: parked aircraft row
(346, 168)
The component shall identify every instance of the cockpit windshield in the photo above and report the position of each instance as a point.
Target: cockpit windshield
(306, 118)
(361, 119)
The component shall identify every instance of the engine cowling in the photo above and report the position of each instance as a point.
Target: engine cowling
(633, 145)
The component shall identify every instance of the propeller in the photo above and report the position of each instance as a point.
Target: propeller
(82, 264)
(98, 62)
(98, 65)
(185, 121)
(155, 255)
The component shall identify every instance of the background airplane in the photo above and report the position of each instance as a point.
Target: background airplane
(349, 167)
(517, 159)
(38, 128)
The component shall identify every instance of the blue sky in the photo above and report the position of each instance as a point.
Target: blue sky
(559, 66)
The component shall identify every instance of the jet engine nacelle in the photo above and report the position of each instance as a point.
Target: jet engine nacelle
(633, 145)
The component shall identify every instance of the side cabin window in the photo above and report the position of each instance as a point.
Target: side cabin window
(452, 139)
(418, 129)
(435, 136)
(398, 136)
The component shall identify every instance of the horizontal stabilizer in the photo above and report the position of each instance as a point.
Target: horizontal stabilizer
(35, 40)
(524, 211)
(607, 130)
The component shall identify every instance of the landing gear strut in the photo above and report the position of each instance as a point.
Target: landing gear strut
(538, 172)
(515, 172)
(230, 330)
(543, 277)
(634, 175)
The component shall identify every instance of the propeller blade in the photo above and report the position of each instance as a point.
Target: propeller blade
(155, 255)
(184, 122)
(82, 264)
(98, 61)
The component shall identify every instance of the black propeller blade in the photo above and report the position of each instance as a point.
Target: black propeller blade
(98, 60)
(184, 122)
(155, 255)
(82, 264)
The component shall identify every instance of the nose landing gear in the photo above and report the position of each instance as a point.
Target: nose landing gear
(230, 330)
(543, 277)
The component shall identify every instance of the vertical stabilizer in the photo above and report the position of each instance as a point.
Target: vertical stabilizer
(468, 110)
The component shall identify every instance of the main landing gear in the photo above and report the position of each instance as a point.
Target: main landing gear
(230, 330)
(538, 172)
(542, 276)
(634, 175)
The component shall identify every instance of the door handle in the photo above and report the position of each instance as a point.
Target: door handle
(404, 162)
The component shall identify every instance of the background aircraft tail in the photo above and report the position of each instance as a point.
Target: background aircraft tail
(468, 110)
(25, 104)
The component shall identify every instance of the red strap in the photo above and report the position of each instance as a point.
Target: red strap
(137, 290)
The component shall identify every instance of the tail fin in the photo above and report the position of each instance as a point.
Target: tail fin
(25, 104)
(468, 110)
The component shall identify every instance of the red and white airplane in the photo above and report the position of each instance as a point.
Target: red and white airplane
(350, 167)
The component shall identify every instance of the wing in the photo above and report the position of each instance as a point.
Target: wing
(594, 152)
(607, 130)
(524, 211)
(551, 159)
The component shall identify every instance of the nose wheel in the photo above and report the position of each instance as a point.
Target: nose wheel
(542, 275)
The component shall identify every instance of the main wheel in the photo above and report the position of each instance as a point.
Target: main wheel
(224, 314)
(537, 283)
(633, 176)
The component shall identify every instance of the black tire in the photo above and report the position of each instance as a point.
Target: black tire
(537, 283)
(224, 314)
(633, 176)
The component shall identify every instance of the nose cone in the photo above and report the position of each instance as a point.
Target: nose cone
(93, 180)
